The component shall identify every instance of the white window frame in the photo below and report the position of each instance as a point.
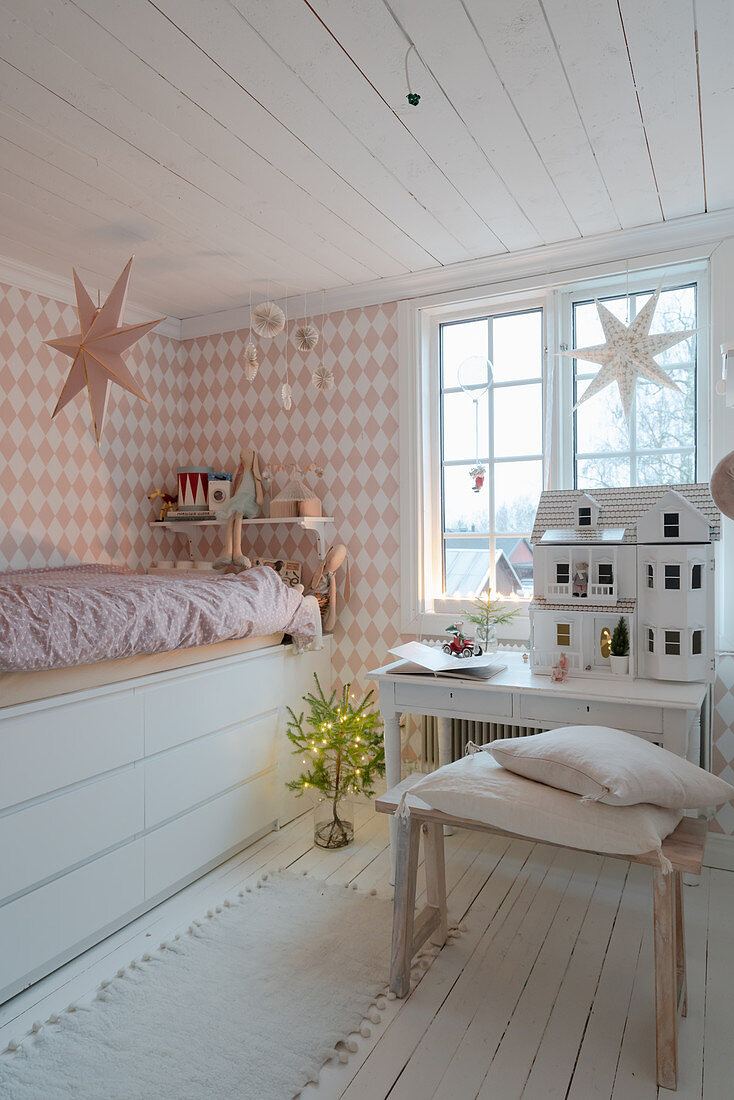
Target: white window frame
(637, 282)
(569, 643)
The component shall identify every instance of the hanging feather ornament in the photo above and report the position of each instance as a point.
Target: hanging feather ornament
(251, 363)
(286, 396)
(306, 337)
(323, 378)
(268, 319)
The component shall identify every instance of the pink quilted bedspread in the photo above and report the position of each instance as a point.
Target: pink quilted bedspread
(54, 618)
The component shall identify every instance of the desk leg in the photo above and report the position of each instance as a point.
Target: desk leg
(444, 754)
(393, 768)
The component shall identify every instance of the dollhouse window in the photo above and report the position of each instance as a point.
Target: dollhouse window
(606, 573)
(671, 525)
(585, 517)
(672, 576)
(563, 634)
(563, 572)
(650, 640)
(672, 643)
(697, 642)
(696, 576)
(650, 575)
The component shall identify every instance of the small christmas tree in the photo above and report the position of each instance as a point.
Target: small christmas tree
(620, 644)
(487, 614)
(342, 745)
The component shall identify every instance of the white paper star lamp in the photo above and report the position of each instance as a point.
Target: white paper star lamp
(96, 350)
(628, 352)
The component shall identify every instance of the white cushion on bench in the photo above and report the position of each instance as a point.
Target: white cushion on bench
(611, 766)
(479, 789)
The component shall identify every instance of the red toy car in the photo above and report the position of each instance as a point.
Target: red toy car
(460, 645)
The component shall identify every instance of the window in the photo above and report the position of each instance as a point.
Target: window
(696, 576)
(672, 576)
(605, 573)
(650, 575)
(697, 642)
(563, 634)
(650, 640)
(563, 572)
(672, 643)
(671, 525)
(491, 412)
(660, 445)
(584, 517)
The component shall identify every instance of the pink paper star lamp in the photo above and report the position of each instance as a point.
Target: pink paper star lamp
(96, 350)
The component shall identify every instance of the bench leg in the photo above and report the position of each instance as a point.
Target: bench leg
(680, 948)
(403, 920)
(436, 878)
(666, 1009)
(444, 754)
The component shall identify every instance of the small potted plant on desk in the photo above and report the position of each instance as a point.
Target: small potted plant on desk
(486, 615)
(619, 648)
(341, 744)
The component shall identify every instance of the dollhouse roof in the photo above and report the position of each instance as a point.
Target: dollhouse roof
(617, 508)
(621, 607)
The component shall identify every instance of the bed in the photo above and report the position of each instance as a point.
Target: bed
(127, 776)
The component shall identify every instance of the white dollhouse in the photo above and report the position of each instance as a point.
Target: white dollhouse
(645, 554)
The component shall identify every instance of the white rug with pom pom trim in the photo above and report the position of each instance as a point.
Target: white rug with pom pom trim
(249, 1003)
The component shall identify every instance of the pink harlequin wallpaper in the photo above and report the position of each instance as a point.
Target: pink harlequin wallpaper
(351, 431)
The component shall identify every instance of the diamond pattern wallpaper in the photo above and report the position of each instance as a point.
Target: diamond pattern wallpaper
(64, 501)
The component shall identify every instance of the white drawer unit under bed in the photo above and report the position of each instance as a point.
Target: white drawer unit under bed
(114, 797)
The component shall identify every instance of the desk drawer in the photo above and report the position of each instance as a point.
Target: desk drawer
(542, 710)
(461, 701)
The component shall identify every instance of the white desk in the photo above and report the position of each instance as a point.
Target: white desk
(662, 711)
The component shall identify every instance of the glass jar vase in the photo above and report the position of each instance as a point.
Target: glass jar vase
(333, 822)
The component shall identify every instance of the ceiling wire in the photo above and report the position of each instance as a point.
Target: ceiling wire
(639, 108)
(700, 108)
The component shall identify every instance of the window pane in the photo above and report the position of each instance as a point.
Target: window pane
(666, 418)
(588, 326)
(600, 422)
(517, 346)
(459, 427)
(665, 469)
(676, 311)
(603, 473)
(466, 566)
(517, 489)
(459, 341)
(464, 510)
(518, 420)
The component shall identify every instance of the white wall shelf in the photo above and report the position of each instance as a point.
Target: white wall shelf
(322, 526)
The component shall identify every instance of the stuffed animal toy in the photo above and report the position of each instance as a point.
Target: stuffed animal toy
(246, 501)
(167, 502)
(323, 583)
(722, 485)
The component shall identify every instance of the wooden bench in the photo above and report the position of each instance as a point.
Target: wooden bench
(684, 848)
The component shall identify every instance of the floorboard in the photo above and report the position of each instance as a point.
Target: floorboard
(547, 993)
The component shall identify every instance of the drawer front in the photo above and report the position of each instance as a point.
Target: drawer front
(50, 924)
(55, 746)
(191, 706)
(195, 772)
(50, 836)
(627, 716)
(435, 698)
(179, 850)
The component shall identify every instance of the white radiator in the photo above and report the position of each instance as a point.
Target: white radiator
(462, 732)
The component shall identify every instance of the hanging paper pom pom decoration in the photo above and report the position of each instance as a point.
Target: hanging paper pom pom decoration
(251, 363)
(323, 378)
(268, 319)
(306, 337)
(286, 395)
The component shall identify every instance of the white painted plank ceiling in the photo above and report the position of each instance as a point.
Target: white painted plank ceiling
(266, 146)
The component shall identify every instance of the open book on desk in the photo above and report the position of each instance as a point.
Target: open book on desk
(423, 660)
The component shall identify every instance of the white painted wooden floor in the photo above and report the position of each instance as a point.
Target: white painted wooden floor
(548, 993)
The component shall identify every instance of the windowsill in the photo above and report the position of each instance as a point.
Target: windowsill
(446, 612)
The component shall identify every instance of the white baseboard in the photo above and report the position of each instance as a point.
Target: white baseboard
(719, 851)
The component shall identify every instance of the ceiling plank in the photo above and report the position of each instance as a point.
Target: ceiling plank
(454, 53)
(393, 172)
(592, 49)
(715, 20)
(519, 43)
(359, 25)
(660, 36)
(280, 203)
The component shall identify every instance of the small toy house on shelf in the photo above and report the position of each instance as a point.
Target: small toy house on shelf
(645, 554)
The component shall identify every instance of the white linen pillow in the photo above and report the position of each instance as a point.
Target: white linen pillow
(610, 766)
(480, 789)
